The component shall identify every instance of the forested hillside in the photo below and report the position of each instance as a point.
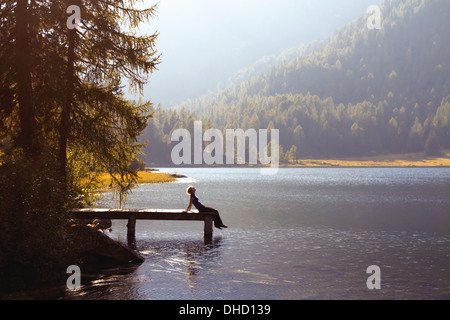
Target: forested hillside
(362, 92)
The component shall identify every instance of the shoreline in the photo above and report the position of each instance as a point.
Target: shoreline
(409, 160)
(144, 177)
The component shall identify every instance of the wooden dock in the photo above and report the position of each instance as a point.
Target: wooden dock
(146, 214)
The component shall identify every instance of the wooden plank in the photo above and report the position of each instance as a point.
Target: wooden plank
(145, 214)
(131, 231)
(131, 225)
(208, 231)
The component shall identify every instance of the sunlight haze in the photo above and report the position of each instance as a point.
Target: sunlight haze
(203, 43)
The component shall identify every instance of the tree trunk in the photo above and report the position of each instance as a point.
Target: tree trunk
(67, 109)
(28, 138)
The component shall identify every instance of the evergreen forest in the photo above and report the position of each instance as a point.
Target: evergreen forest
(364, 91)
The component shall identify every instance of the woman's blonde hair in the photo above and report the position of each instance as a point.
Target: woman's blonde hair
(189, 190)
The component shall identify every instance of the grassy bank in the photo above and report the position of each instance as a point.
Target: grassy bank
(393, 160)
(144, 178)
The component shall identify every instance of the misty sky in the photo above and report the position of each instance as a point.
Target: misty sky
(203, 42)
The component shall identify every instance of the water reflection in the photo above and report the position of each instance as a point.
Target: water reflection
(168, 264)
(302, 234)
(97, 285)
(194, 254)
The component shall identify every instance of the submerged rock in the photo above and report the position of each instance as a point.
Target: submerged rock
(98, 246)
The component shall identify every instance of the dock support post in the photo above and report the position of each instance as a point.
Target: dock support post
(131, 231)
(208, 232)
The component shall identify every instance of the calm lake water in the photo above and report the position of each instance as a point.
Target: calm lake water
(300, 234)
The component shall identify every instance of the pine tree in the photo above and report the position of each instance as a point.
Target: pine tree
(432, 144)
(107, 53)
(63, 113)
(291, 155)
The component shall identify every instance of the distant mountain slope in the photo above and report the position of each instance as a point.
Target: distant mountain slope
(267, 63)
(362, 92)
(409, 56)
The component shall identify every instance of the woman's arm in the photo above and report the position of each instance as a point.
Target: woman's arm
(190, 205)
